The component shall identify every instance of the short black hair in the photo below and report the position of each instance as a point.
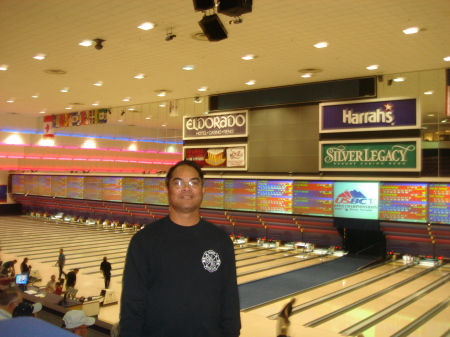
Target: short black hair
(190, 163)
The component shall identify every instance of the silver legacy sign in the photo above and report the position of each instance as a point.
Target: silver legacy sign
(222, 125)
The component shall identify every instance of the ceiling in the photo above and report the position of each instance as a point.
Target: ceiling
(280, 33)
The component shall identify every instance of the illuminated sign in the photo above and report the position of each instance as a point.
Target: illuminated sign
(220, 125)
(358, 200)
(369, 115)
(383, 155)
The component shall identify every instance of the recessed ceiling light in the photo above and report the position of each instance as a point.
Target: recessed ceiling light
(36, 95)
(86, 43)
(399, 79)
(99, 83)
(148, 117)
(306, 75)
(66, 89)
(96, 103)
(444, 121)
(372, 67)
(162, 104)
(203, 89)
(321, 45)
(430, 115)
(189, 67)
(4, 67)
(411, 30)
(126, 99)
(69, 107)
(447, 58)
(248, 57)
(251, 82)
(39, 56)
(162, 93)
(430, 92)
(164, 124)
(131, 108)
(146, 26)
(11, 100)
(139, 76)
(42, 111)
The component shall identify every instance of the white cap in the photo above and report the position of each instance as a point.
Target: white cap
(75, 318)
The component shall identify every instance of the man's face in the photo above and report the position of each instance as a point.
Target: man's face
(182, 197)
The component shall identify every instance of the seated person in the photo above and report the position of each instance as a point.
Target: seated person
(27, 309)
(9, 299)
(77, 322)
(58, 288)
(51, 285)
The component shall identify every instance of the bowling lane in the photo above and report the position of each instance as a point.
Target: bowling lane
(367, 309)
(439, 325)
(405, 316)
(282, 269)
(329, 288)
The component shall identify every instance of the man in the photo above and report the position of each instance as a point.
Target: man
(180, 271)
(24, 268)
(71, 278)
(51, 285)
(283, 319)
(9, 269)
(9, 299)
(61, 262)
(105, 267)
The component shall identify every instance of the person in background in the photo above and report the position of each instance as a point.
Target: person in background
(71, 278)
(8, 268)
(24, 268)
(27, 309)
(61, 262)
(283, 319)
(51, 285)
(105, 267)
(197, 273)
(58, 288)
(77, 322)
(9, 300)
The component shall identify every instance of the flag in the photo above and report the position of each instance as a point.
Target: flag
(48, 127)
(84, 118)
(74, 118)
(102, 116)
(173, 111)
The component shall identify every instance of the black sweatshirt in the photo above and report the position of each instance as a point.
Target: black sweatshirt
(180, 281)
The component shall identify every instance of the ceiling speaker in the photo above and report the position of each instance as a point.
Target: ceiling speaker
(235, 7)
(213, 28)
(203, 5)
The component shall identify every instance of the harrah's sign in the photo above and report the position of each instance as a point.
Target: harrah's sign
(369, 115)
(222, 125)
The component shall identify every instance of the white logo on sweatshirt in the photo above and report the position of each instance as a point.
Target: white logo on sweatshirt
(211, 261)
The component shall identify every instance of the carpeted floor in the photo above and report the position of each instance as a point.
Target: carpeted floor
(255, 293)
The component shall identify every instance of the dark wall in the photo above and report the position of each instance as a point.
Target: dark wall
(283, 140)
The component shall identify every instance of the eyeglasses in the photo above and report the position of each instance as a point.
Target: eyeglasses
(183, 184)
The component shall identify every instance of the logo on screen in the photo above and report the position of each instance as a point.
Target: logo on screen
(354, 198)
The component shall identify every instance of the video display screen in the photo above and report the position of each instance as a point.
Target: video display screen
(439, 203)
(274, 196)
(93, 188)
(75, 187)
(357, 200)
(18, 184)
(31, 184)
(133, 190)
(403, 202)
(44, 186)
(59, 186)
(154, 191)
(240, 195)
(313, 198)
(112, 189)
(214, 193)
